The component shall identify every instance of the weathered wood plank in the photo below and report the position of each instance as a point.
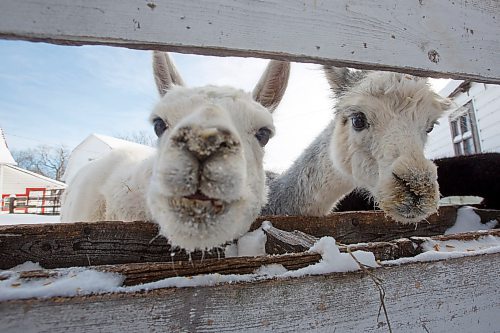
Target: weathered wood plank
(281, 242)
(456, 39)
(366, 226)
(86, 244)
(457, 295)
(137, 273)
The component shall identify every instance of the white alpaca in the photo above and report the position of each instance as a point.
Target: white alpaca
(375, 142)
(205, 184)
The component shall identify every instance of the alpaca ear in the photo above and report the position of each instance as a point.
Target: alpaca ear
(272, 84)
(444, 103)
(341, 78)
(165, 73)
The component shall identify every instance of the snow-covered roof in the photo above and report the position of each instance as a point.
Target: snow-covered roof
(450, 87)
(54, 183)
(93, 147)
(114, 143)
(5, 155)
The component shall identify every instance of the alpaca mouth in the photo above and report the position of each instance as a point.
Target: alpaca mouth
(198, 196)
(407, 213)
(403, 207)
(198, 207)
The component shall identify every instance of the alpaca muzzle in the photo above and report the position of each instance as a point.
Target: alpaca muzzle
(411, 193)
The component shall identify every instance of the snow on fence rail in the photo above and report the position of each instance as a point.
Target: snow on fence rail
(456, 39)
(457, 294)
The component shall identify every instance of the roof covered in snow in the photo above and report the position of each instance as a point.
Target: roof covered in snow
(5, 155)
(16, 180)
(94, 147)
(449, 88)
(112, 142)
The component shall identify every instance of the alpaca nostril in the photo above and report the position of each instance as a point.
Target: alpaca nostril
(203, 143)
(404, 183)
(212, 140)
(412, 189)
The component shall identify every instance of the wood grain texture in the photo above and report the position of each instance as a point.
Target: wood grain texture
(87, 244)
(457, 295)
(297, 257)
(456, 39)
(366, 226)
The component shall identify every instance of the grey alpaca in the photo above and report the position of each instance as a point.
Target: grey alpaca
(375, 142)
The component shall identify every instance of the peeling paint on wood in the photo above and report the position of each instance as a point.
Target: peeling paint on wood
(432, 38)
(457, 295)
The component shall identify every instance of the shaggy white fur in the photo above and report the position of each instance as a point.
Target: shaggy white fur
(205, 183)
(375, 143)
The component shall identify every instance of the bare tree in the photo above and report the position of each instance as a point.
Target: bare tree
(142, 137)
(44, 160)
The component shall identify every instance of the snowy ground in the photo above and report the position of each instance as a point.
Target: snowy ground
(83, 281)
(9, 219)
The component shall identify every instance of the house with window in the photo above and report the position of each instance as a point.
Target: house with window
(473, 123)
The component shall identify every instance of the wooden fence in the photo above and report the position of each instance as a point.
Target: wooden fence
(453, 39)
(48, 203)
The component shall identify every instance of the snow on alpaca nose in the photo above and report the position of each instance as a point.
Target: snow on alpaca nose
(203, 143)
(411, 192)
(205, 160)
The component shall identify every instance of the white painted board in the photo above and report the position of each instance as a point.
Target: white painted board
(458, 39)
(455, 295)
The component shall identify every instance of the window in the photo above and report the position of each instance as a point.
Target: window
(464, 131)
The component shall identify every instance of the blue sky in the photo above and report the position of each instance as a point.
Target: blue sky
(58, 95)
(55, 95)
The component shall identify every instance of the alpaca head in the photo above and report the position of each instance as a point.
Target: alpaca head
(208, 185)
(381, 126)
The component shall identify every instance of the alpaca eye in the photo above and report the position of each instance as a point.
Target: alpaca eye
(160, 126)
(263, 135)
(359, 121)
(431, 127)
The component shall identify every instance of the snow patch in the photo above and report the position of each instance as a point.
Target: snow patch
(271, 270)
(252, 244)
(468, 220)
(460, 200)
(68, 282)
(439, 250)
(15, 219)
(231, 250)
(27, 266)
(333, 260)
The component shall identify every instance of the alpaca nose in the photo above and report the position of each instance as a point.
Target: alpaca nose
(409, 185)
(203, 143)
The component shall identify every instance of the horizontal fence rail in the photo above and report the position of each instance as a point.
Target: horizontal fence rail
(456, 39)
(456, 295)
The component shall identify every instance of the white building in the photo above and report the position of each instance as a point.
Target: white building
(93, 147)
(472, 125)
(34, 192)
